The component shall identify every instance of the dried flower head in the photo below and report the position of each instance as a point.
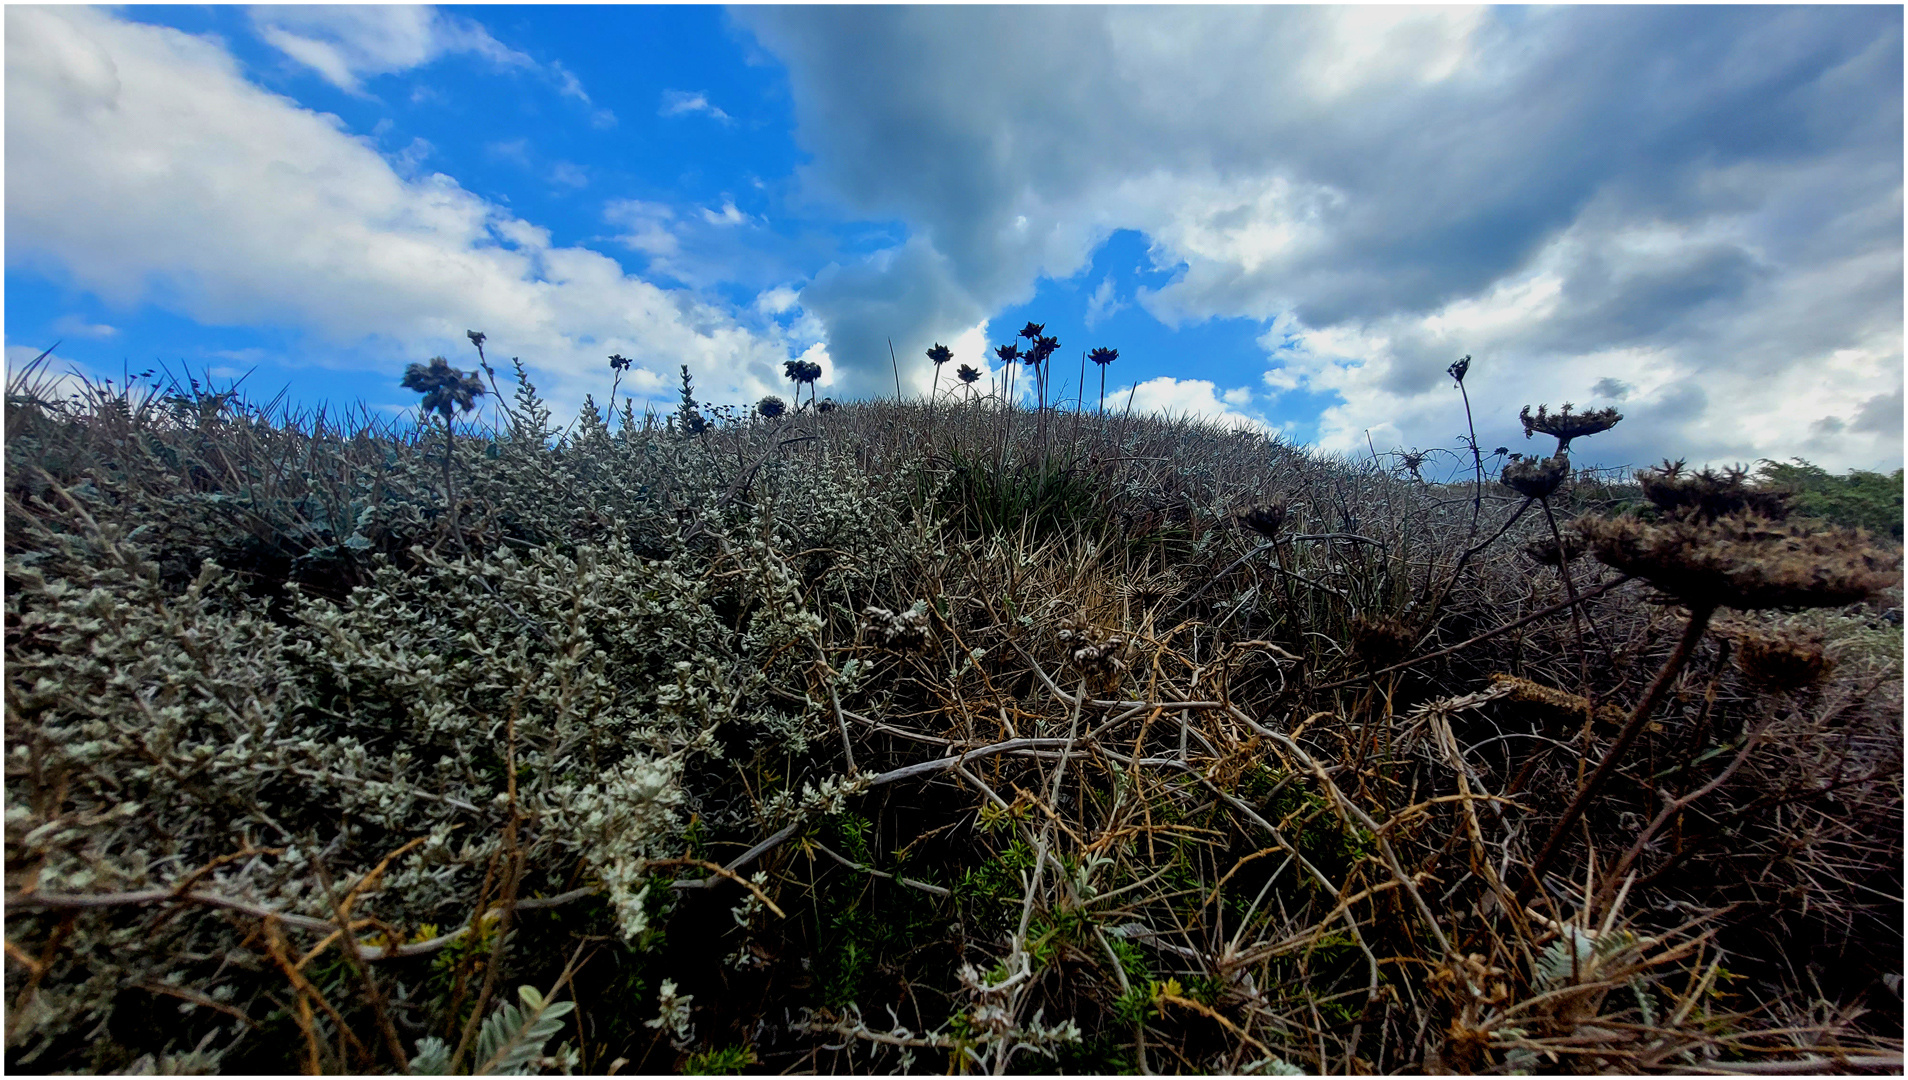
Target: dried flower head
(1008, 353)
(1534, 477)
(826, 404)
(1266, 519)
(1550, 703)
(902, 632)
(771, 406)
(1095, 657)
(1458, 368)
(1033, 330)
(1790, 661)
(619, 362)
(968, 373)
(444, 387)
(1545, 550)
(940, 354)
(476, 337)
(1103, 357)
(1708, 495)
(1743, 561)
(1565, 426)
(1381, 641)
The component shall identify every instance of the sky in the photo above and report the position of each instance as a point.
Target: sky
(1291, 218)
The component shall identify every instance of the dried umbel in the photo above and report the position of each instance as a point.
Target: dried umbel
(1743, 561)
(1266, 519)
(1546, 552)
(1534, 478)
(1781, 661)
(1381, 642)
(903, 632)
(1708, 495)
(1565, 425)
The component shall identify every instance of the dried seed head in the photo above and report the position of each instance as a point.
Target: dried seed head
(1095, 657)
(1565, 426)
(1781, 661)
(1743, 561)
(1266, 519)
(1708, 495)
(1545, 550)
(771, 406)
(1550, 703)
(1381, 642)
(1534, 478)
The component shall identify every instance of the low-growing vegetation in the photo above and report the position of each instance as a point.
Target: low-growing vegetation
(949, 737)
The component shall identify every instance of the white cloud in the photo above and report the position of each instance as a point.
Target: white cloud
(74, 326)
(727, 217)
(569, 175)
(1198, 398)
(347, 44)
(682, 103)
(1408, 186)
(645, 225)
(148, 170)
(1103, 304)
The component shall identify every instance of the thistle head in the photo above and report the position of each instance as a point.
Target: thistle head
(1008, 353)
(1457, 369)
(444, 387)
(1103, 357)
(771, 407)
(940, 354)
(476, 337)
(619, 363)
(1033, 330)
(969, 373)
(1266, 519)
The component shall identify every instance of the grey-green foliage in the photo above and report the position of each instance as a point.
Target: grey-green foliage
(510, 1042)
(152, 733)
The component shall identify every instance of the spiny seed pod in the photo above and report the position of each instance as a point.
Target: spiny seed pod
(1266, 519)
(1781, 661)
(903, 632)
(1534, 478)
(1564, 426)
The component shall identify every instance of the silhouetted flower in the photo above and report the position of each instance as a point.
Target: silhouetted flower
(940, 354)
(1103, 357)
(1008, 353)
(771, 406)
(1458, 368)
(476, 337)
(619, 363)
(444, 387)
(1534, 477)
(1033, 330)
(969, 373)
(1565, 427)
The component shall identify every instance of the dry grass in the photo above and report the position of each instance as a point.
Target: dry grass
(1043, 743)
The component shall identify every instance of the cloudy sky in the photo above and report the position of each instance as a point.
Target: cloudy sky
(1289, 217)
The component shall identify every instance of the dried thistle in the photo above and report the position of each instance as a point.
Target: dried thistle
(444, 387)
(1565, 426)
(771, 407)
(968, 373)
(1534, 477)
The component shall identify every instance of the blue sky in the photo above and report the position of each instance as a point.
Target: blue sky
(1288, 217)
